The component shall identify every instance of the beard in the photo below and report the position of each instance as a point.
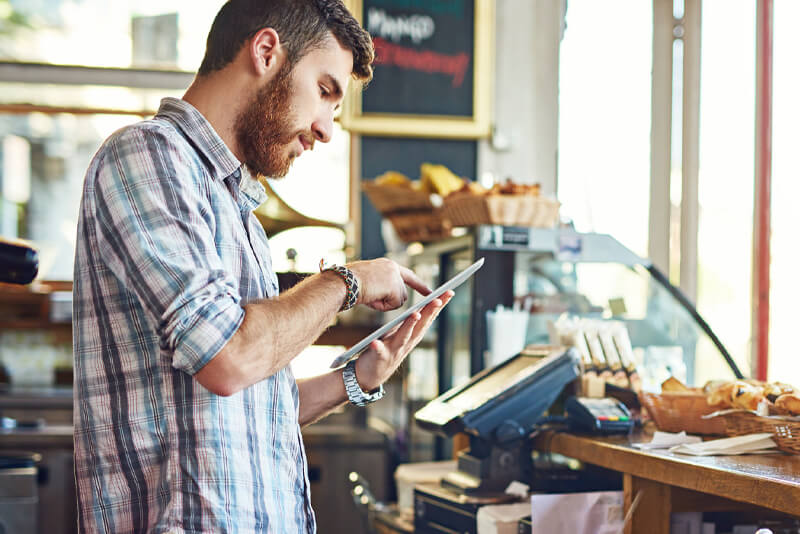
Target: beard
(264, 128)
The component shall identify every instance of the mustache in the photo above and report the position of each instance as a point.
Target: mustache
(307, 137)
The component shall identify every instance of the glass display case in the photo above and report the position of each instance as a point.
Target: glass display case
(556, 272)
(551, 273)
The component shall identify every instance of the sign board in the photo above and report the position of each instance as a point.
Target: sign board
(432, 74)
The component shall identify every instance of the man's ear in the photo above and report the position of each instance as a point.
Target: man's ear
(266, 52)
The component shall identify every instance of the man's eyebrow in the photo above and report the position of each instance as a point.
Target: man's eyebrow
(336, 88)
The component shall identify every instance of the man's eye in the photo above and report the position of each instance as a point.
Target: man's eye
(323, 91)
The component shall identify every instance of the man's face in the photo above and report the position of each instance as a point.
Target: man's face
(293, 110)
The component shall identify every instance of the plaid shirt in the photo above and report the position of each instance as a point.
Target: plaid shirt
(168, 252)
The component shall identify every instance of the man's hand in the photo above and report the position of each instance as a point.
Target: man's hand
(383, 283)
(383, 357)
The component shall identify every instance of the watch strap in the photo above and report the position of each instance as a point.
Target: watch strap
(350, 281)
(355, 394)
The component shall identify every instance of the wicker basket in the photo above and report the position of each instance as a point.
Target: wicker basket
(676, 412)
(390, 198)
(786, 433)
(423, 226)
(507, 210)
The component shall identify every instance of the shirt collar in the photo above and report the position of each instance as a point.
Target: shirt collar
(223, 164)
(201, 134)
(252, 189)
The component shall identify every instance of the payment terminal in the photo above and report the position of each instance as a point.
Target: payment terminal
(600, 416)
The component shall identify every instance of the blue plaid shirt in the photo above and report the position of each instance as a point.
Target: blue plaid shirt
(168, 252)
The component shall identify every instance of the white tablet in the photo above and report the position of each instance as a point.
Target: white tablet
(359, 347)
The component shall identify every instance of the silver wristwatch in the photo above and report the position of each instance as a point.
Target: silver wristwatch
(355, 394)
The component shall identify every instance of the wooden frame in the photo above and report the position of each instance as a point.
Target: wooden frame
(441, 126)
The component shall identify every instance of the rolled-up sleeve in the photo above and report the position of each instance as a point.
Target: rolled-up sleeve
(156, 232)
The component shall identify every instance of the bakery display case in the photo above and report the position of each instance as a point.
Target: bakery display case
(553, 274)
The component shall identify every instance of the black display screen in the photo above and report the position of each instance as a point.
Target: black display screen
(516, 370)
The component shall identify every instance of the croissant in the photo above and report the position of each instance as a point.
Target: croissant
(747, 396)
(673, 384)
(774, 390)
(723, 394)
(736, 394)
(788, 402)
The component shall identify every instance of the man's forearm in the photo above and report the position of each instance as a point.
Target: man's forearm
(320, 395)
(273, 332)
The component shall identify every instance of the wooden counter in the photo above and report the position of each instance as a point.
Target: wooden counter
(671, 482)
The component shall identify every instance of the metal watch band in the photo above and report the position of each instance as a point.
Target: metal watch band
(350, 281)
(355, 394)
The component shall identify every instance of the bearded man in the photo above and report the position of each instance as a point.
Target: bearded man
(187, 416)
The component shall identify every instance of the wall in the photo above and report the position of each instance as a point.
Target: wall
(525, 143)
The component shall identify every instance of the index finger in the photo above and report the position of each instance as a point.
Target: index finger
(414, 281)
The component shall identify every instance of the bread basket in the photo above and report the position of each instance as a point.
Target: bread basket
(786, 431)
(682, 411)
(506, 210)
(423, 226)
(392, 198)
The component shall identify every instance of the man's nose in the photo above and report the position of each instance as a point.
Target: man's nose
(323, 127)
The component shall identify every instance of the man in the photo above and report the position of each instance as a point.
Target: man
(187, 416)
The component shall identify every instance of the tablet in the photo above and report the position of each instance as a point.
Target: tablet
(359, 347)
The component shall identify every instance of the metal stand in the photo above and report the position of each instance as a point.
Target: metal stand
(488, 467)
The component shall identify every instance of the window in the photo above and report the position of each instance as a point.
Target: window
(604, 118)
(725, 229)
(167, 34)
(44, 158)
(52, 127)
(784, 292)
(604, 146)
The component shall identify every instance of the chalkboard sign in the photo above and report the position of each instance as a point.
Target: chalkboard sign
(432, 69)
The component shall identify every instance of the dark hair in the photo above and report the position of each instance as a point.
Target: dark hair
(300, 24)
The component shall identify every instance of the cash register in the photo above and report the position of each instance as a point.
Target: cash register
(498, 409)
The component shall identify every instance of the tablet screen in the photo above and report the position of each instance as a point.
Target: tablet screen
(359, 347)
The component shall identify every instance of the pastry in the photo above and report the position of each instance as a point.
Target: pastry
(510, 187)
(722, 394)
(773, 390)
(439, 179)
(711, 385)
(789, 403)
(747, 396)
(471, 188)
(672, 384)
(393, 178)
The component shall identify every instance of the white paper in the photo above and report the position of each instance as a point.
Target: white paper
(518, 489)
(754, 412)
(578, 513)
(501, 518)
(665, 440)
(748, 444)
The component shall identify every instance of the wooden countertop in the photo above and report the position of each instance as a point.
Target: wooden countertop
(770, 481)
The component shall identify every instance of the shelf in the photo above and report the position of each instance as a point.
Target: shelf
(28, 307)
